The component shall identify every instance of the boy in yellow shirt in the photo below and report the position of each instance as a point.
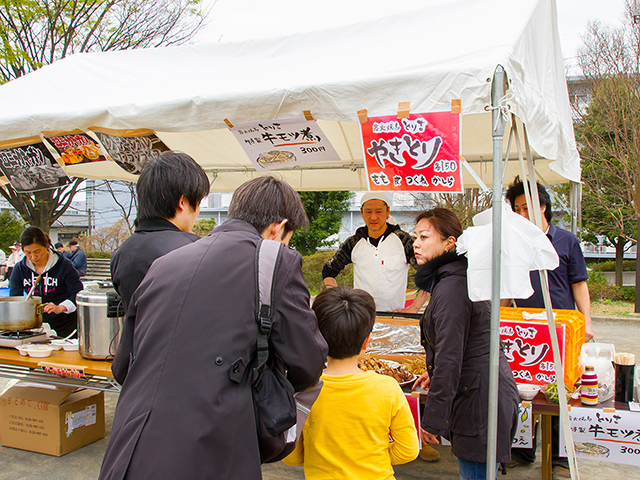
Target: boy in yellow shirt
(361, 423)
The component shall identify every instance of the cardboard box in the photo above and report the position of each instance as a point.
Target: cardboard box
(50, 419)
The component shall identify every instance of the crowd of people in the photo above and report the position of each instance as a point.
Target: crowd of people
(189, 343)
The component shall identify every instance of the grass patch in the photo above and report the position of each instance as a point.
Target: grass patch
(613, 308)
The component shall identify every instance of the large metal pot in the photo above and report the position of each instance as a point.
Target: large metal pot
(99, 327)
(18, 314)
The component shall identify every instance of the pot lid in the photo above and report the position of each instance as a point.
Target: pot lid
(95, 294)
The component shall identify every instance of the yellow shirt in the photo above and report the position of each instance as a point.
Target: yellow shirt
(346, 435)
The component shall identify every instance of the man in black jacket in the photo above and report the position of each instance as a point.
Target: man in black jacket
(170, 190)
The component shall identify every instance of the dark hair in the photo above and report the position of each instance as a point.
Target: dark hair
(444, 221)
(517, 188)
(345, 318)
(164, 180)
(71, 243)
(32, 235)
(59, 244)
(265, 200)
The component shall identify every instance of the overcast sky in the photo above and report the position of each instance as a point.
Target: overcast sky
(232, 20)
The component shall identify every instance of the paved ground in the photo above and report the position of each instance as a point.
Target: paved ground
(85, 462)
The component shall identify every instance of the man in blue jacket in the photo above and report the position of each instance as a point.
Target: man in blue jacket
(78, 258)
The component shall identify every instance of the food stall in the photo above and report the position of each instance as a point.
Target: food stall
(132, 105)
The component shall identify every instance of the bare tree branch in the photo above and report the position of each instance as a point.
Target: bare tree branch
(39, 32)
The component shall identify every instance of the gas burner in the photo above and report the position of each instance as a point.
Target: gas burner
(19, 337)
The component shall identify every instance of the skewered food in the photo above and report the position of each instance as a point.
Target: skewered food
(416, 366)
(368, 362)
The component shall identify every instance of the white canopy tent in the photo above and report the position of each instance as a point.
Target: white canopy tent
(426, 57)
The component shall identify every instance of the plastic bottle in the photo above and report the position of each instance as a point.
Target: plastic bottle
(589, 387)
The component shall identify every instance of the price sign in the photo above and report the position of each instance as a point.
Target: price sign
(131, 149)
(606, 436)
(75, 147)
(273, 144)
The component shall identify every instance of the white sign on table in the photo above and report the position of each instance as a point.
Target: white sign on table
(607, 436)
(523, 438)
(284, 143)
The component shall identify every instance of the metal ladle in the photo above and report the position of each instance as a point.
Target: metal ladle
(33, 287)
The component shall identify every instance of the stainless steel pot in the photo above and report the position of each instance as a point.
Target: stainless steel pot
(99, 330)
(18, 314)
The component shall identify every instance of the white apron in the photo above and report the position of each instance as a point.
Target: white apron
(381, 271)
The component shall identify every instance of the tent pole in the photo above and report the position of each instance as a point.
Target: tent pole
(499, 114)
(574, 199)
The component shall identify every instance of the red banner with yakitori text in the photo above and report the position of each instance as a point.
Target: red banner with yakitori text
(417, 154)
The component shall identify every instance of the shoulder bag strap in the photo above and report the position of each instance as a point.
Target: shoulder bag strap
(268, 255)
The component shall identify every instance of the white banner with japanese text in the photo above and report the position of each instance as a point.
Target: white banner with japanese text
(272, 144)
(607, 436)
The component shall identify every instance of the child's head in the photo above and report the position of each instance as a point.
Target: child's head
(345, 317)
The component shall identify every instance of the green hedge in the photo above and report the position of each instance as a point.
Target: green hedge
(600, 290)
(312, 271)
(98, 254)
(610, 266)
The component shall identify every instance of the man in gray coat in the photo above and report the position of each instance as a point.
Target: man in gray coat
(186, 409)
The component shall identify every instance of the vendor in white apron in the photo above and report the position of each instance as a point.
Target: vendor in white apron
(381, 254)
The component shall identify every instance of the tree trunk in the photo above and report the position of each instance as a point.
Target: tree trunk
(637, 302)
(42, 208)
(620, 243)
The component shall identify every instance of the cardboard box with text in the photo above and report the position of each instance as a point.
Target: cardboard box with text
(50, 419)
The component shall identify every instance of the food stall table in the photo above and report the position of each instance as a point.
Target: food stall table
(67, 368)
(546, 410)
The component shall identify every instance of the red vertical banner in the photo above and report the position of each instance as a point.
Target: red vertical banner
(417, 154)
(527, 346)
(414, 405)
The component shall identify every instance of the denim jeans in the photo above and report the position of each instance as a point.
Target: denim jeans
(473, 470)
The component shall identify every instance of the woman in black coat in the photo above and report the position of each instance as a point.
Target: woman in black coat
(455, 335)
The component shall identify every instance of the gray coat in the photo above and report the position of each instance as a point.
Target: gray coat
(185, 410)
(455, 333)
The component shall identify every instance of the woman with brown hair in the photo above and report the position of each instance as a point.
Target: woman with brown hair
(455, 335)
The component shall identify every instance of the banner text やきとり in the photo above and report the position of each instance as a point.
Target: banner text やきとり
(420, 153)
